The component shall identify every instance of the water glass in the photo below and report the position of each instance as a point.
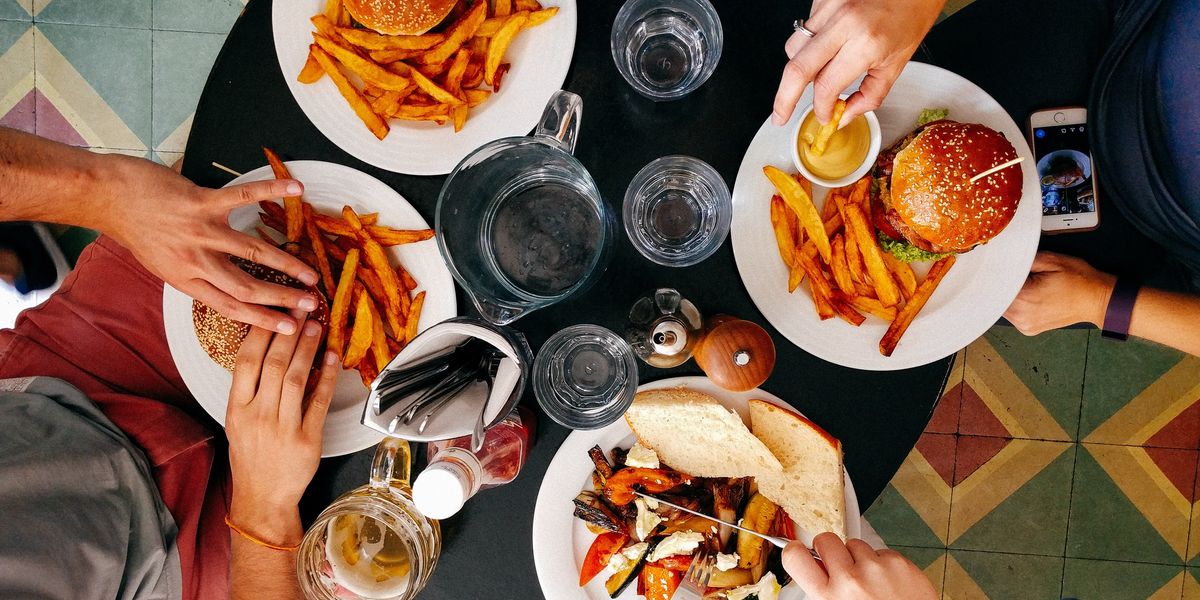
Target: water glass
(666, 49)
(677, 211)
(585, 377)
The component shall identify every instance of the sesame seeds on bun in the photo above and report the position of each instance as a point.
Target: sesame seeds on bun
(399, 17)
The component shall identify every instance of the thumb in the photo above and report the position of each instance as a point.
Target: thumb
(322, 395)
(256, 191)
(808, 573)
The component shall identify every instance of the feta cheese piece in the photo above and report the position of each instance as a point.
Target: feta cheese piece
(641, 456)
(680, 542)
(726, 562)
(766, 589)
(621, 560)
(646, 520)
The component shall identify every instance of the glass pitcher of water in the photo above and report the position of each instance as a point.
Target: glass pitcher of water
(371, 543)
(520, 221)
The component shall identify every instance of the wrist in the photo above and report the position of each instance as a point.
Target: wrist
(278, 524)
(1102, 291)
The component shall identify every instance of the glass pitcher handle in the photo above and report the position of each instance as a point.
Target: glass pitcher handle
(560, 120)
(392, 463)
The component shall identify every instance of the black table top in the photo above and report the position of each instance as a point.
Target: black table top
(877, 415)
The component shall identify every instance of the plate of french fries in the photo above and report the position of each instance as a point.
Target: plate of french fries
(380, 273)
(842, 297)
(418, 104)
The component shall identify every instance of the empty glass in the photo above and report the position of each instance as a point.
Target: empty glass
(677, 211)
(666, 49)
(585, 377)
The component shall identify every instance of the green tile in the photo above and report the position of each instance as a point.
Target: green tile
(1002, 575)
(182, 61)
(112, 13)
(211, 16)
(1038, 510)
(115, 62)
(10, 32)
(1051, 365)
(1104, 524)
(1111, 580)
(897, 523)
(1116, 372)
(16, 11)
(74, 240)
(922, 557)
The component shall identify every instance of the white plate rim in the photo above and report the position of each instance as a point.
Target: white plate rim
(554, 554)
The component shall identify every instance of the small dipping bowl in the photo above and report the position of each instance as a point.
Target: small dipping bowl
(876, 140)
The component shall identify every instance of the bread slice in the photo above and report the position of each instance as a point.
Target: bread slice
(693, 433)
(810, 486)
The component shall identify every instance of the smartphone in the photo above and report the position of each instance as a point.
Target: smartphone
(1070, 200)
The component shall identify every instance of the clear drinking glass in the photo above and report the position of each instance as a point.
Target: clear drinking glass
(666, 49)
(521, 222)
(677, 211)
(585, 376)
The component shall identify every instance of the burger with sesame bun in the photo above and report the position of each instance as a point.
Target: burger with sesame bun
(924, 203)
(399, 17)
(222, 337)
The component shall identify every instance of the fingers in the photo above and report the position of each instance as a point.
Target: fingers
(832, 80)
(230, 307)
(322, 395)
(291, 402)
(808, 573)
(274, 370)
(257, 251)
(794, 44)
(871, 92)
(248, 289)
(832, 552)
(1050, 261)
(798, 73)
(249, 366)
(255, 191)
(861, 551)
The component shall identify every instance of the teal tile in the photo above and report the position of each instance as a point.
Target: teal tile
(897, 523)
(1116, 373)
(1051, 365)
(1000, 575)
(111, 13)
(10, 32)
(115, 62)
(1111, 580)
(927, 559)
(210, 16)
(182, 61)
(13, 10)
(167, 158)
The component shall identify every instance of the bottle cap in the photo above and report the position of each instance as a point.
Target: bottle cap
(440, 491)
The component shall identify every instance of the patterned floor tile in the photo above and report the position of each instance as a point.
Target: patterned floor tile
(945, 414)
(953, 6)
(914, 509)
(985, 575)
(209, 16)
(1110, 580)
(1004, 486)
(16, 75)
(94, 85)
(111, 13)
(1134, 390)
(1024, 387)
(182, 61)
(1191, 584)
(931, 560)
(16, 10)
(1132, 504)
(167, 158)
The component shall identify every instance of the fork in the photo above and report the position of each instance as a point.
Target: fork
(695, 580)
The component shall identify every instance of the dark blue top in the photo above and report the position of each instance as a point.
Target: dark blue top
(1179, 92)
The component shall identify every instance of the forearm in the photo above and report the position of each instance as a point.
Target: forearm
(1168, 318)
(261, 573)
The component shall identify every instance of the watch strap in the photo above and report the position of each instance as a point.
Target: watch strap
(1120, 308)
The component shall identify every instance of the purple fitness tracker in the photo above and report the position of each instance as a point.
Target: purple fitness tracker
(1120, 308)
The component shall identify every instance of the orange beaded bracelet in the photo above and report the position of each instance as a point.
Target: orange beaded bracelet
(262, 543)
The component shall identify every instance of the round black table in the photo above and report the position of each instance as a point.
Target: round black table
(878, 416)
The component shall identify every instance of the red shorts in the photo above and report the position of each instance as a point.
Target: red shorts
(103, 333)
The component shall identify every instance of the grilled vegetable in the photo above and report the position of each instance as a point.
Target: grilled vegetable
(618, 457)
(728, 495)
(759, 516)
(621, 579)
(602, 467)
(598, 555)
(659, 583)
(730, 578)
(594, 511)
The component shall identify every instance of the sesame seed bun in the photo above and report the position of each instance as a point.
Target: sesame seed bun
(221, 337)
(399, 17)
(933, 203)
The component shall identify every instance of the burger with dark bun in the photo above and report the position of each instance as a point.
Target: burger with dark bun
(399, 17)
(924, 203)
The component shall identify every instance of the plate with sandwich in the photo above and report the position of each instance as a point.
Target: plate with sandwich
(204, 343)
(413, 86)
(745, 457)
(910, 263)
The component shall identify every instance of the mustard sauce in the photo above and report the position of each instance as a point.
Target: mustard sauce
(846, 151)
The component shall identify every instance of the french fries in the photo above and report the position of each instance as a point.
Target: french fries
(293, 213)
(360, 335)
(434, 77)
(856, 277)
(821, 141)
(339, 311)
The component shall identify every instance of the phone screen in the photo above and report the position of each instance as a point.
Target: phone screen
(1064, 167)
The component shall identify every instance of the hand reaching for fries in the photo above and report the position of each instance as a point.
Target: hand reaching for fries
(876, 37)
(1061, 290)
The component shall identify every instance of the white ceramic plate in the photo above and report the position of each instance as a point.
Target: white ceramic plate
(560, 541)
(540, 57)
(327, 187)
(969, 300)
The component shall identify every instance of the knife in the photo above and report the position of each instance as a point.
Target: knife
(778, 542)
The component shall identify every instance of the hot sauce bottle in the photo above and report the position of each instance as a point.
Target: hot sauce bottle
(455, 473)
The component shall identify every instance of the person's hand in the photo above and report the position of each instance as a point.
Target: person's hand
(876, 37)
(274, 431)
(854, 571)
(1061, 290)
(180, 232)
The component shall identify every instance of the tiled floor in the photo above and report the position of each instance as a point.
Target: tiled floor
(1062, 465)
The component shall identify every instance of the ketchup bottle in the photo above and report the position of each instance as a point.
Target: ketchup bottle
(455, 473)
